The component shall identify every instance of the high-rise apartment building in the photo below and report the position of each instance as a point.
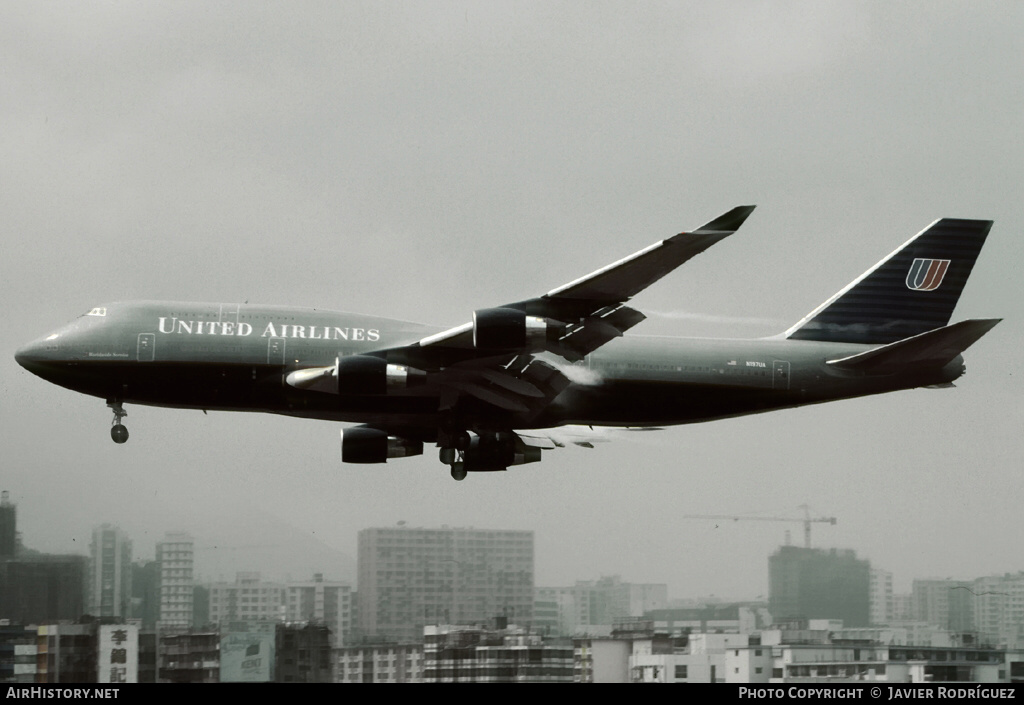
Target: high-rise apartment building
(999, 609)
(42, 588)
(146, 592)
(593, 606)
(110, 573)
(609, 599)
(812, 583)
(883, 607)
(247, 599)
(948, 604)
(37, 587)
(409, 578)
(176, 556)
(8, 526)
(554, 611)
(323, 602)
(902, 606)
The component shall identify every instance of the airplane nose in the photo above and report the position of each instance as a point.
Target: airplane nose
(23, 355)
(29, 356)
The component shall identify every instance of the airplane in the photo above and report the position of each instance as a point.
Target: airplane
(531, 375)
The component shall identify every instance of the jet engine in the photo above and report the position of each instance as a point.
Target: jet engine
(364, 374)
(508, 328)
(497, 452)
(357, 375)
(371, 445)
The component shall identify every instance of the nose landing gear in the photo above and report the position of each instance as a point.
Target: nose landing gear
(118, 432)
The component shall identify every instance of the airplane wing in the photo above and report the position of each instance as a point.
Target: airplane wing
(498, 358)
(589, 311)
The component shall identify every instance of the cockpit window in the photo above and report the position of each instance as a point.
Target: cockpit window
(98, 311)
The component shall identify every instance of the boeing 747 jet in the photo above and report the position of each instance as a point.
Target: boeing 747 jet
(529, 375)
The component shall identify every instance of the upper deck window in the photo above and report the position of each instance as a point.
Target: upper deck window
(98, 311)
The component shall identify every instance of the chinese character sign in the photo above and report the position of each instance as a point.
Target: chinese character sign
(119, 654)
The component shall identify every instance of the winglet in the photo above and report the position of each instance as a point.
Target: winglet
(620, 281)
(727, 222)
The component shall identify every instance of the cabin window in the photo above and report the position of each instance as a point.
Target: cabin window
(98, 311)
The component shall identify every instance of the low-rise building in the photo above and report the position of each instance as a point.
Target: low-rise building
(18, 653)
(303, 654)
(379, 663)
(457, 654)
(843, 662)
(700, 658)
(736, 618)
(642, 654)
(189, 657)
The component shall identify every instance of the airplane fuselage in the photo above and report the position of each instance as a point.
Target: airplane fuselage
(492, 392)
(235, 357)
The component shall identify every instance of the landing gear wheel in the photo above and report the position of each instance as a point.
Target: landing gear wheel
(458, 472)
(117, 430)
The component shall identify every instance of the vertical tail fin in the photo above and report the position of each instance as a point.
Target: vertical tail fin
(912, 291)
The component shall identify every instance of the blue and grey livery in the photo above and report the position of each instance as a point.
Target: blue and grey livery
(912, 291)
(529, 375)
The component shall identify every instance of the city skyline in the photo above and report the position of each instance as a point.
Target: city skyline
(900, 584)
(412, 577)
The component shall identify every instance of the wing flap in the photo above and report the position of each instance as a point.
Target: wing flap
(592, 332)
(522, 385)
(574, 434)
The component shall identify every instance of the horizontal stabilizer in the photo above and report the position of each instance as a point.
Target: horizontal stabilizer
(934, 348)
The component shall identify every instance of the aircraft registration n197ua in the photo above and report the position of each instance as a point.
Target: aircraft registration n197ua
(529, 375)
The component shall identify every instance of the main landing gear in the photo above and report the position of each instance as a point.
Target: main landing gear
(453, 447)
(486, 451)
(118, 432)
(458, 471)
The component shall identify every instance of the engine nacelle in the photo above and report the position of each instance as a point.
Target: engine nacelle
(368, 375)
(508, 329)
(497, 452)
(358, 375)
(371, 445)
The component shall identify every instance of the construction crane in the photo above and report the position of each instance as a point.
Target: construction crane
(807, 520)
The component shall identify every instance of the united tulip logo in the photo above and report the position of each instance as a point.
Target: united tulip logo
(926, 274)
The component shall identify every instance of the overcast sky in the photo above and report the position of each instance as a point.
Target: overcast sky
(422, 160)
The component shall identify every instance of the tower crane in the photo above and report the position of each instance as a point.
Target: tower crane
(807, 520)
